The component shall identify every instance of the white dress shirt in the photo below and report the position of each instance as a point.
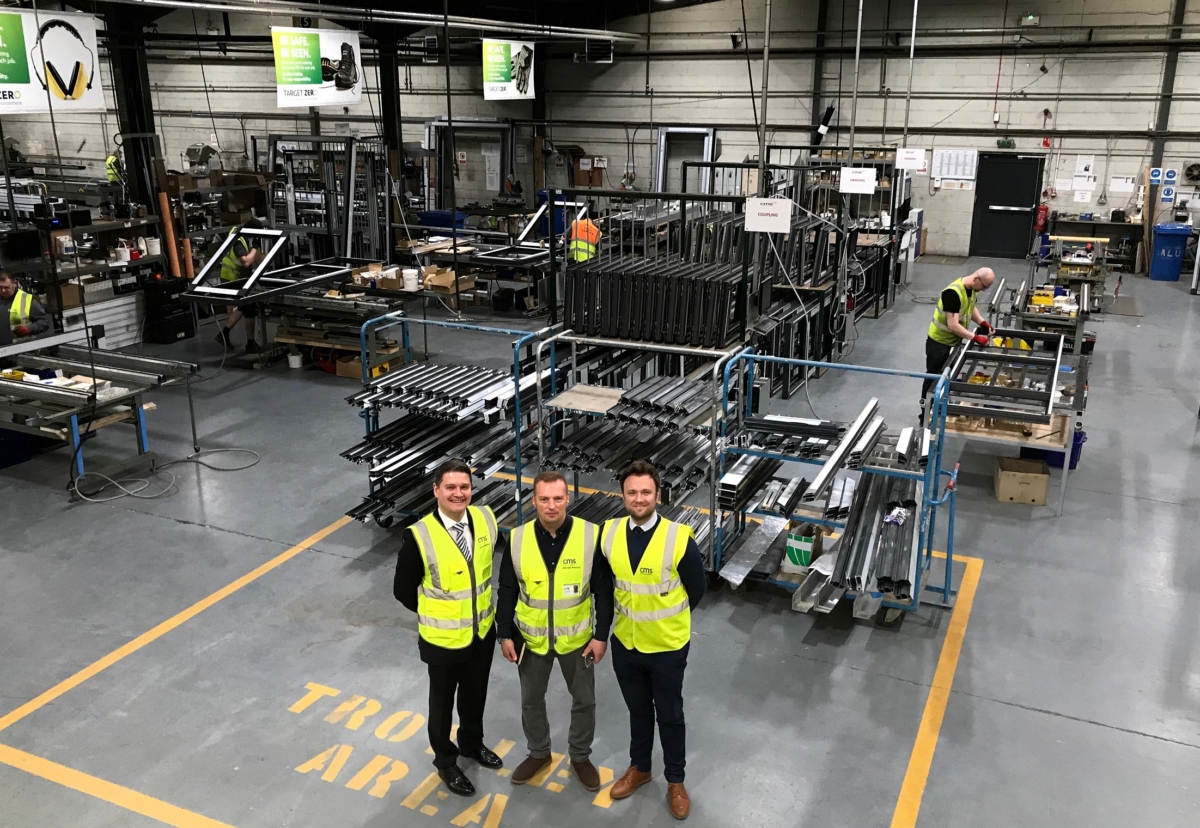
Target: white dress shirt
(649, 524)
(450, 522)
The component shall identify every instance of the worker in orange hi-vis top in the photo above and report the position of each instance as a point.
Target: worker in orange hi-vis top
(583, 240)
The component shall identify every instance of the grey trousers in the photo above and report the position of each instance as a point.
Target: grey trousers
(535, 673)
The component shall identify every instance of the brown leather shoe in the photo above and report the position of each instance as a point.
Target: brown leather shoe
(587, 774)
(629, 782)
(677, 799)
(529, 769)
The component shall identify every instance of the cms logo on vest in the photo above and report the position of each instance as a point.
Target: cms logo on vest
(569, 562)
(646, 570)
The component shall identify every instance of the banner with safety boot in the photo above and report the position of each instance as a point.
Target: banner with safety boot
(49, 58)
(316, 67)
(507, 70)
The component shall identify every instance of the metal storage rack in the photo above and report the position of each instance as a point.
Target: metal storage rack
(741, 370)
(374, 354)
(583, 402)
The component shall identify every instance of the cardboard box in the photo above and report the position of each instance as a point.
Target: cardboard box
(178, 182)
(924, 241)
(351, 367)
(441, 280)
(868, 239)
(1022, 481)
(236, 217)
(803, 547)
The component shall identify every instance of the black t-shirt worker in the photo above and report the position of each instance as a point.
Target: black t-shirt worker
(957, 303)
(444, 575)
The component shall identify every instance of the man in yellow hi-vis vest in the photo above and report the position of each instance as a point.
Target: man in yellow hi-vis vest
(658, 579)
(548, 585)
(583, 240)
(20, 314)
(444, 575)
(956, 303)
(236, 264)
(114, 170)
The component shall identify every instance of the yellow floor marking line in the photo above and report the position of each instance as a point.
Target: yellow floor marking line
(165, 627)
(908, 805)
(117, 795)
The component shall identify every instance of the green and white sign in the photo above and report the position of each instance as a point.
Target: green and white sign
(507, 70)
(316, 67)
(48, 60)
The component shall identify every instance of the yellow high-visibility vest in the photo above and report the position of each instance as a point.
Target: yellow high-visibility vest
(583, 240)
(653, 613)
(19, 310)
(231, 267)
(560, 600)
(112, 166)
(939, 331)
(454, 602)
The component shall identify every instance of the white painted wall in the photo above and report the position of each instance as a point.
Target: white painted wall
(610, 109)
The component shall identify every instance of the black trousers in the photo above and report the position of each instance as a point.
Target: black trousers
(469, 680)
(652, 684)
(936, 357)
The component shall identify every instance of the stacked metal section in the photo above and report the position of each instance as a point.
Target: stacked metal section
(403, 455)
(682, 458)
(446, 392)
(654, 300)
(665, 403)
(737, 487)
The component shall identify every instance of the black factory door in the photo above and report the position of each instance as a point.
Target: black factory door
(1007, 188)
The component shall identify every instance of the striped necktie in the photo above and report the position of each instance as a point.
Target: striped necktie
(460, 538)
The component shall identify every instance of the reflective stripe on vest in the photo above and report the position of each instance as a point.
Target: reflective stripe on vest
(231, 267)
(653, 613)
(561, 599)
(454, 601)
(580, 250)
(18, 311)
(939, 331)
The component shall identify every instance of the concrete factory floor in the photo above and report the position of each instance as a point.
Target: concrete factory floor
(1076, 683)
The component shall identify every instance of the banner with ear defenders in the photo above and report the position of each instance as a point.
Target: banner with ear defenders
(49, 58)
(316, 67)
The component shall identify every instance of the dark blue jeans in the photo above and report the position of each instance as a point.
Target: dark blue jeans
(652, 684)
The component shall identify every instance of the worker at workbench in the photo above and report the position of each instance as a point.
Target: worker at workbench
(20, 314)
(114, 169)
(957, 302)
(444, 575)
(548, 585)
(658, 579)
(236, 264)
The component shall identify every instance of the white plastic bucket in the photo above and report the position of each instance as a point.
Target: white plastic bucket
(410, 278)
(295, 360)
(153, 247)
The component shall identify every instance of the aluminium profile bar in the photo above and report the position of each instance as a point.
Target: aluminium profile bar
(837, 459)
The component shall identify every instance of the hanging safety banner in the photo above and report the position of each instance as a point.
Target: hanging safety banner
(316, 67)
(49, 58)
(507, 70)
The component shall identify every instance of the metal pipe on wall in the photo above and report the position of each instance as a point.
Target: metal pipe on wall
(762, 132)
(912, 50)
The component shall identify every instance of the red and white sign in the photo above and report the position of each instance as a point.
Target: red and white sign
(768, 215)
(911, 158)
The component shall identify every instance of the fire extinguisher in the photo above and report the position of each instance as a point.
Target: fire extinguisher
(1043, 214)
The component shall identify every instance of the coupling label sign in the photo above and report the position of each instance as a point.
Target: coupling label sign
(316, 67)
(507, 70)
(52, 64)
(768, 215)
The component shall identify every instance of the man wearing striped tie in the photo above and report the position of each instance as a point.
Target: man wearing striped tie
(444, 574)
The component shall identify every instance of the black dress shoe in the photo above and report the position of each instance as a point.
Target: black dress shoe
(484, 757)
(457, 781)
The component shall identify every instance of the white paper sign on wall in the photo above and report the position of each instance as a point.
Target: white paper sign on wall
(768, 215)
(910, 158)
(857, 180)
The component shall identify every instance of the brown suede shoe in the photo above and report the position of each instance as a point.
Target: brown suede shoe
(529, 769)
(629, 782)
(677, 799)
(587, 774)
